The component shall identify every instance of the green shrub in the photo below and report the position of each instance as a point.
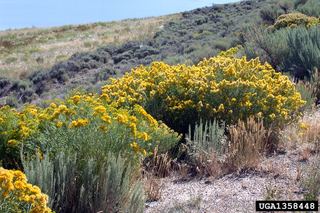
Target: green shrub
(9, 139)
(296, 51)
(120, 131)
(269, 47)
(77, 184)
(205, 146)
(304, 51)
(298, 3)
(82, 123)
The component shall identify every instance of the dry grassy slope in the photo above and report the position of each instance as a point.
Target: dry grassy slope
(184, 38)
(27, 50)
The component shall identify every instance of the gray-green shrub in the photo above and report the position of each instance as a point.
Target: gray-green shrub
(311, 8)
(296, 51)
(205, 145)
(87, 185)
(206, 136)
(304, 51)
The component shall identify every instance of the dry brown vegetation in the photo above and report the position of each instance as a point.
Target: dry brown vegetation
(248, 141)
(160, 165)
(242, 150)
(152, 187)
(27, 50)
(289, 175)
(307, 130)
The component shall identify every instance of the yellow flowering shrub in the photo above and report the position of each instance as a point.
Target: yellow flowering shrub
(17, 195)
(294, 20)
(131, 131)
(15, 127)
(222, 87)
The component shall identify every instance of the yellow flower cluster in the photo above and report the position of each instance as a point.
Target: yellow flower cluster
(19, 195)
(78, 123)
(76, 112)
(294, 20)
(304, 126)
(223, 87)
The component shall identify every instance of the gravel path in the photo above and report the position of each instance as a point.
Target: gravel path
(276, 177)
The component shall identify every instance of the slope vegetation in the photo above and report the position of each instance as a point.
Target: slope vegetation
(185, 39)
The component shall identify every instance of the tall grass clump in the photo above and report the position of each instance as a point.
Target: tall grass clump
(311, 181)
(205, 147)
(214, 149)
(248, 142)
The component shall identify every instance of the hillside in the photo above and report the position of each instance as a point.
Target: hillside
(27, 50)
(184, 38)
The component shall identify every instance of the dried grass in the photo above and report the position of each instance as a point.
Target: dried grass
(305, 131)
(248, 141)
(311, 180)
(153, 188)
(35, 49)
(160, 165)
(243, 150)
(208, 164)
